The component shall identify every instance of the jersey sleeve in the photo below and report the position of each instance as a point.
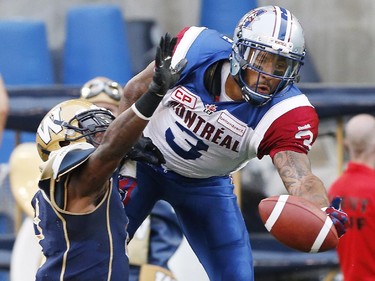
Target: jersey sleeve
(56, 169)
(185, 48)
(65, 159)
(296, 130)
(200, 46)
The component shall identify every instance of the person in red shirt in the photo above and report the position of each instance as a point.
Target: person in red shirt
(356, 186)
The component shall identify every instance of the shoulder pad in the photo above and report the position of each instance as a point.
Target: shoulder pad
(66, 159)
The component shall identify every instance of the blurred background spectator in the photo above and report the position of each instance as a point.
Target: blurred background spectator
(356, 187)
(4, 107)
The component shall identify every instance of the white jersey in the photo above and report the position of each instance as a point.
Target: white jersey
(201, 137)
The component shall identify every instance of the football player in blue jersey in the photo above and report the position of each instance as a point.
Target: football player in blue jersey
(79, 216)
(235, 100)
(160, 235)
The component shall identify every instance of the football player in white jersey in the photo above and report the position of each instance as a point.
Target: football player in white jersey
(235, 100)
(79, 216)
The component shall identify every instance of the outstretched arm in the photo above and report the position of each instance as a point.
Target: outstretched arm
(147, 80)
(136, 87)
(295, 172)
(89, 180)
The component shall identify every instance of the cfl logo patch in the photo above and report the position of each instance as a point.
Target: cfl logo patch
(209, 108)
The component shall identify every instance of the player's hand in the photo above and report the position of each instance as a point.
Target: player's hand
(165, 76)
(145, 151)
(339, 217)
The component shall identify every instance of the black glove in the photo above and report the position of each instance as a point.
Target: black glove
(165, 77)
(145, 151)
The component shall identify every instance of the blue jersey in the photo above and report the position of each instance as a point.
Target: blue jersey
(197, 129)
(84, 246)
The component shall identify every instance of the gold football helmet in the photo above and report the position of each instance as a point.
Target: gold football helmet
(102, 89)
(68, 122)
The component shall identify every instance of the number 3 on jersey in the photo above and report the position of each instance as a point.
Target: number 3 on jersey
(307, 137)
(193, 152)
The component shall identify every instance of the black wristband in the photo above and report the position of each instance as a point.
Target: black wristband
(146, 105)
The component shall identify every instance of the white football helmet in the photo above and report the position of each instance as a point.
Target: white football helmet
(267, 31)
(71, 121)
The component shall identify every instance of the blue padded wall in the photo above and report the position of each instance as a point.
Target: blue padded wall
(223, 15)
(25, 58)
(95, 45)
(9, 143)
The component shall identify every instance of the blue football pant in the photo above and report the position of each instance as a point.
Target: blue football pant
(209, 216)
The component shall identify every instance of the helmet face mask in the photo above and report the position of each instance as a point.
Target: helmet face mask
(269, 42)
(69, 122)
(90, 123)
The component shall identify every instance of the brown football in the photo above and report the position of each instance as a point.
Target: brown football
(298, 223)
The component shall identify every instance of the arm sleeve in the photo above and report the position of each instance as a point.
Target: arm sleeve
(296, 130)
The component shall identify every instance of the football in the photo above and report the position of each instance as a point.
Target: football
(298, 223)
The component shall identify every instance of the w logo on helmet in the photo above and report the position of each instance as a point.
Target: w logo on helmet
(49, 124)
(60, 126)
